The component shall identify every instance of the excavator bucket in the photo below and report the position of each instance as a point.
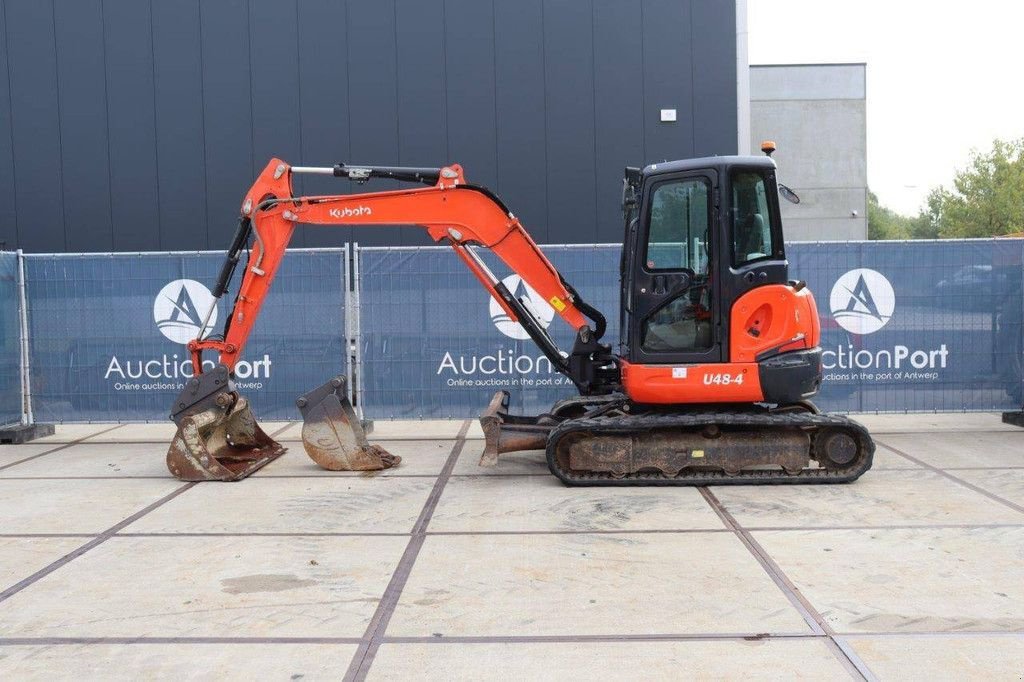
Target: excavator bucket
(218, 438)
(332, 434)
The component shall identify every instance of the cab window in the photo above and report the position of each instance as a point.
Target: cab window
(752, 229)
(678, 240)
(678, 234)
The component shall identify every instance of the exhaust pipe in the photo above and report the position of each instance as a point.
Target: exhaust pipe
(218, 438)
(332, 434)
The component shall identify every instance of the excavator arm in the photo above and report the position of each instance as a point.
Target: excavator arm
(218, 437)
(451, 211)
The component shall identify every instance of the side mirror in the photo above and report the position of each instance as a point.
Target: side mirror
(630, 184)
(628, 196)
(788, 194)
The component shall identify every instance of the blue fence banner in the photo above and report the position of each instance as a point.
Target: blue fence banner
(906, 326)
(107, 333)
(10, 342)
(433, 344)
(917, 326)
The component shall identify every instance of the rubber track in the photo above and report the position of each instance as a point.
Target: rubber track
(638, 423)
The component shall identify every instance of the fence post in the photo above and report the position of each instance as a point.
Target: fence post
(26, 381)
(357, 333)
(348, 330)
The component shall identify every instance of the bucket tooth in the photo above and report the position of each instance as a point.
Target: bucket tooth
(218, 438)
(332, 434)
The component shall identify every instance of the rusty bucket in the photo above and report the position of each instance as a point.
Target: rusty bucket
(332, 434)
(218, 438)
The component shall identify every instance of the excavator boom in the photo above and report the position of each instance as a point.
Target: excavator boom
(461, 215)
(451, 211)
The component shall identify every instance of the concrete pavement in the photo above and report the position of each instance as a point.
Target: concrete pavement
(111, 569)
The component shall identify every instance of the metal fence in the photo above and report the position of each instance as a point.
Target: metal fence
(11, 389)
(107, 332)
(433, 345)
(917, 326)
(906, 326)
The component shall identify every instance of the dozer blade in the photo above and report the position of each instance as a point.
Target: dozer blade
(332, 434)
(504, 432)
(218, 438)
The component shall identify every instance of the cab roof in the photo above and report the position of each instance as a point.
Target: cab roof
(705, 162)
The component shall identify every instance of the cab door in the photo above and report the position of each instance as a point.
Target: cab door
(756, 254)
(674, 316)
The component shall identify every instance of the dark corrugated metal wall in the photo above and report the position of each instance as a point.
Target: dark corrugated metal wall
(131, 125)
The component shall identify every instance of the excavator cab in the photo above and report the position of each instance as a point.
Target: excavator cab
(707, 231)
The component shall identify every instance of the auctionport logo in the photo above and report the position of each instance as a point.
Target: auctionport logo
(178, 312)
(536, 303)
(862, 301)
(505, 367)
(179, 309)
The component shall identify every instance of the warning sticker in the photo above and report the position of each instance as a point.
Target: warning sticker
(557, 303)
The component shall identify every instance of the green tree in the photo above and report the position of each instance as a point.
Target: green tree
(987, 197)
(885, 223)
(928, 223)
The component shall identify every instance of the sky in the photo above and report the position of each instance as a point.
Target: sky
(943, 78)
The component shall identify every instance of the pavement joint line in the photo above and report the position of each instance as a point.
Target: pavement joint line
(507, 639)
(932, 633)
(262, 476)
(260, 535)
(636, 531)
(326, 476)
(855, 658)
(956, 479)
(98, 540)
(894, 526)
(449, 533)
(59, 446)
(439, 533)
(78, 478)
(155, 441)
(363, 475)
(58, 641)
(119, 425)
(283, 429)
(938, 432)
(501, 475)
(375, 629)
(582, 639)
(47, 535)
(977, 468)
(807, 611)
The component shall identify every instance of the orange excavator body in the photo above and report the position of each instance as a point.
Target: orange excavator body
(701, 331)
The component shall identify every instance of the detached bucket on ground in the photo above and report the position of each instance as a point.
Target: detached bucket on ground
(332, 434)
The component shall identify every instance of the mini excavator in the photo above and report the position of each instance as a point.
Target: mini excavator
(718, 350)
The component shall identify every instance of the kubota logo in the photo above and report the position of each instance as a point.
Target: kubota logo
(862, 301)
(350, 212)
(540, 308)
(179, 309)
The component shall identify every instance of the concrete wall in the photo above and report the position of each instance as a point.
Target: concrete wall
(128, 125)
(816, 115)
